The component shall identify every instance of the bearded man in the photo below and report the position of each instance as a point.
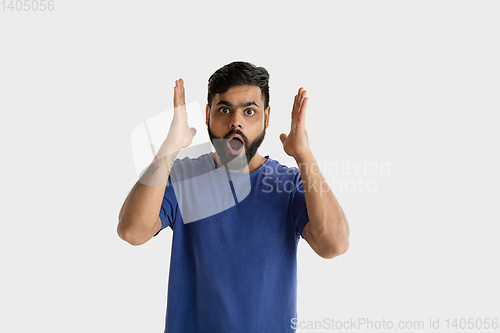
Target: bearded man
(236, 216)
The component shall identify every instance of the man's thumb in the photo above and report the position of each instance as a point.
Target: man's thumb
(283, 137)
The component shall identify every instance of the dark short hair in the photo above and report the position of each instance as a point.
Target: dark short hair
(235, 74)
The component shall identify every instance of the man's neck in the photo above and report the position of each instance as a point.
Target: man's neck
(253, 165)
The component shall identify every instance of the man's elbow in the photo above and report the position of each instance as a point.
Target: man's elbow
(129, 236)
(335, 250)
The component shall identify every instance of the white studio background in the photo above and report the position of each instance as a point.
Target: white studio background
(401, 118)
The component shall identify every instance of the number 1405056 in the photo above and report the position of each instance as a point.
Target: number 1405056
(28, 5)
(471, 323)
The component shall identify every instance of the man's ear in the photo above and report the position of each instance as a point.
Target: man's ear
(207, 113)
(267, 112)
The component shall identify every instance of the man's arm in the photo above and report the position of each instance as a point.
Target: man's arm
(327, 230)
(139, 217)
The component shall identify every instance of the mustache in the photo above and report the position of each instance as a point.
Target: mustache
(236, 131)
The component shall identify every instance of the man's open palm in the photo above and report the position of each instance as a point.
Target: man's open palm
(296, 143)
(180, 135)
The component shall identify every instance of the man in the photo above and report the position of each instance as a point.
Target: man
(236, 216)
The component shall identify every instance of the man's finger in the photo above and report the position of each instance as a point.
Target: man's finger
(302, 114)
(301, 119)
(302, 98)
(175, 94)
(296, 105)
(283, 137)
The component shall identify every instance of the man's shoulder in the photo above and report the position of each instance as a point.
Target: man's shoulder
(191, 167)
(276, 168)
(201, 160)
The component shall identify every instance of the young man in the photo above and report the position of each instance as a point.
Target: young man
(236, 216)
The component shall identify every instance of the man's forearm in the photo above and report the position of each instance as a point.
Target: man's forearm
(138, 217)
(327, 222)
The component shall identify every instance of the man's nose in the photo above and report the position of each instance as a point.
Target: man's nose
(237, 120)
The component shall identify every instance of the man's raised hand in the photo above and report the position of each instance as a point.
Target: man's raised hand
(180, 135)
(296, 143)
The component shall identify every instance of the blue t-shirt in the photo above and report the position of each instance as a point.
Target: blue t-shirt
(233, 262)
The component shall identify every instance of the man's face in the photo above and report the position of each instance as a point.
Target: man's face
(237, 123)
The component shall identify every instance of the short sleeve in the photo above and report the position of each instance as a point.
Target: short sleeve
(168, 207)
(299, 206)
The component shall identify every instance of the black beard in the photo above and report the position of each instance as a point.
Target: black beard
(237, 162)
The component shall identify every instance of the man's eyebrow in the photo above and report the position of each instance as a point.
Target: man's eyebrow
(244, 105)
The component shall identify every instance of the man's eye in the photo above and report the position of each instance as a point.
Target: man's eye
(223, 110)
(250, 112)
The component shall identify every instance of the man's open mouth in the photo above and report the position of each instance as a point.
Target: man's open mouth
(235, 145)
